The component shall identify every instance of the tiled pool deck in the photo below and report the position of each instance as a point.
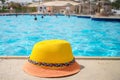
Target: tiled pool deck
(92, 69)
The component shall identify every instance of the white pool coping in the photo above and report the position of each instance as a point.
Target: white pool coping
(77, 57)
(12, 69)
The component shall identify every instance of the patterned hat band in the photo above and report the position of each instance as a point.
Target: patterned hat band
(52, 64)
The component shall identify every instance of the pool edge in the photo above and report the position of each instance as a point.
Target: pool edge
(76, 57)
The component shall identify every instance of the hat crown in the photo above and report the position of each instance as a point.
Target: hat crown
(52, 51)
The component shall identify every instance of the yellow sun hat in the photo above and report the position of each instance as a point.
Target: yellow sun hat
(51, 58)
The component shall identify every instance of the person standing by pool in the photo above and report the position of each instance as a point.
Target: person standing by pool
(55, 12)
(11, 9)
(49, 10)
(67, 11)
(38, 9)
(43, 9)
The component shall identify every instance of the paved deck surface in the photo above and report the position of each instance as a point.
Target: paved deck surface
(11, 69)
(107, 17)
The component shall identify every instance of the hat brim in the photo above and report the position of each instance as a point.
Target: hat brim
(46, 72)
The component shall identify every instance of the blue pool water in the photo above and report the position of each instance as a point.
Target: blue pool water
(87, 37)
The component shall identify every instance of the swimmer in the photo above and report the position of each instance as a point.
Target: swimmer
(35, 18)
(69, 16)
(42, 16)
(16, 14)
(56, 15)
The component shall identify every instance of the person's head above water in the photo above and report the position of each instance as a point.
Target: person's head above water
(35, 18)
(42, 16)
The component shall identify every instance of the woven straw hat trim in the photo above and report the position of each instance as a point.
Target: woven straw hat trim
(52, 64)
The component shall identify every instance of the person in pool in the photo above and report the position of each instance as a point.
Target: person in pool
(35, 18)
(16, 14)
(42, 16)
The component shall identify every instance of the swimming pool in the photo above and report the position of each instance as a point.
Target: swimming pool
(87, 37)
